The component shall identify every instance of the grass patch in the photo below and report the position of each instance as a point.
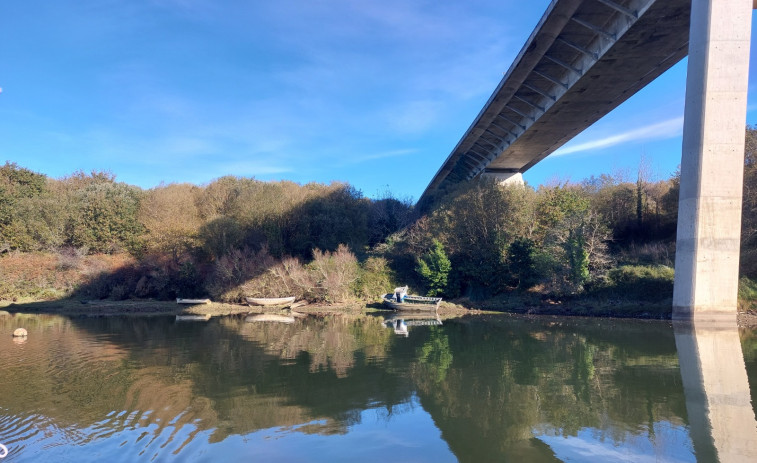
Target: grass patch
(747, 295)
(647, 283)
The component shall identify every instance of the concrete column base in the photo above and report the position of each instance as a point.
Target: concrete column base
(712, 318)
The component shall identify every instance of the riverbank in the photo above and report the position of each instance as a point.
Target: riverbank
(457, 308)
(136, 307)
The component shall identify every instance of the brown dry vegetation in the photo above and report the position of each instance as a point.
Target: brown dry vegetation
(41, 276)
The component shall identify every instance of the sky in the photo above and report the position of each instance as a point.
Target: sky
(374, 93)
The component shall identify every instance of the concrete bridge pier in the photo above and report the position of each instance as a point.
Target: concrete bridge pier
(505, 176)
(712, 163)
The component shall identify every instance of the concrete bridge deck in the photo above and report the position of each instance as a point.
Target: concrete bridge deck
(584, 58)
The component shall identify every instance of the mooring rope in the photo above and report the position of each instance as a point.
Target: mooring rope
(3, 451)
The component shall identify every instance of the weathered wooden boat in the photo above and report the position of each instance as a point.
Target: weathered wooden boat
(192, 301)
(400, 300)
(193, 317)
(269, 300)
(269, 317)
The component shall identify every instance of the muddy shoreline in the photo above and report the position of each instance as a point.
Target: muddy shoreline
(100, 308)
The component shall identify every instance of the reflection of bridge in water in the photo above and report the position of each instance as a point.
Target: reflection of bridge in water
(718, 402)
(584, 58)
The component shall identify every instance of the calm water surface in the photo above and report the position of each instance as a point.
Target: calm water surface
(323, 390)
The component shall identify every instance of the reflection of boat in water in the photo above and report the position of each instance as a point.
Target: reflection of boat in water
(399, 326)
(400, 300)
(401, 323)
(269, 300)
(193, 318)
(180, 300)
(269, 317)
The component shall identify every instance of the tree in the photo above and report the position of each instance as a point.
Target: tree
(434, 268)
(523, 262)
(18, 186)
(749, 206)
(578, 257)
(105, 216)
(171, 219)
(477, 222)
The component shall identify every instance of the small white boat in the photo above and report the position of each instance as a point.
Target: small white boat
(269, 317)
(400, 300)
(269, 300)
(192, 301)
(193, 318)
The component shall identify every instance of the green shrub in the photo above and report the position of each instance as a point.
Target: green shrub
(637, 282)
(434, 268)
(375, 278)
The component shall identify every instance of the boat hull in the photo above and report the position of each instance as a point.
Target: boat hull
(269, 300)
(422, 305)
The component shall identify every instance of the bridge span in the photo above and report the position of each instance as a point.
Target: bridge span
(586, 57)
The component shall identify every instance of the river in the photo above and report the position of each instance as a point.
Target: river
(474, 389)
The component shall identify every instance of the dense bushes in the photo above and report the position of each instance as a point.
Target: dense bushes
(95, 213)
(502, 238)
(608, 236)
(85, 211)
(188, 240)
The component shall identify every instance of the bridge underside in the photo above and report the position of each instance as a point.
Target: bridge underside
(584, 58)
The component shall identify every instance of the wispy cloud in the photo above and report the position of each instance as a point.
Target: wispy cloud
(659, 131)
(381, 155)
(250, 168)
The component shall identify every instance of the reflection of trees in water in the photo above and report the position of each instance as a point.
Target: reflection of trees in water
(113, 374)
(59, 371)
(434, 356)
(488, 385)
(331, 343)
(511, 378)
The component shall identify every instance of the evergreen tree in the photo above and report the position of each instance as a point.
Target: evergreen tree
(434, 268)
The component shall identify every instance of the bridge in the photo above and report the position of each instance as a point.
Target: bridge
(586, 57)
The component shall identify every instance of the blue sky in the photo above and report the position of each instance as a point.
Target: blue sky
(375, 93)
